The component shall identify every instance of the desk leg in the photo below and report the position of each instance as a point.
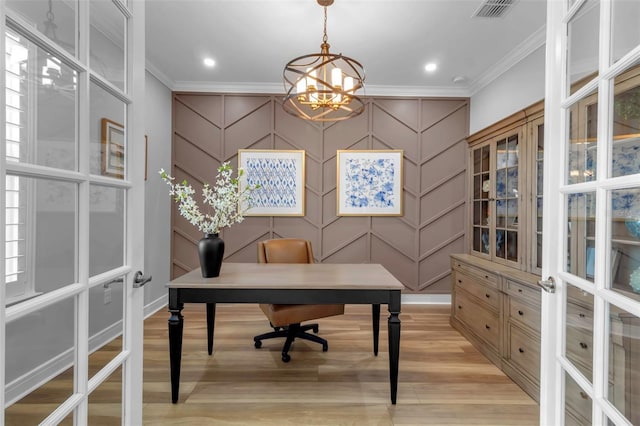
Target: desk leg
(211, 320)
(175, 347)
(375, 313)
(394, 343)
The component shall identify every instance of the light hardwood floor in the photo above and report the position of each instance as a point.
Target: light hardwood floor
(443, 380)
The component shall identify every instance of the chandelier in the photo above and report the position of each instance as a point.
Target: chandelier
(323, 86)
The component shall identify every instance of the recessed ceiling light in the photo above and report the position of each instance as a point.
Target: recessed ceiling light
(430, 67)
(209, 62)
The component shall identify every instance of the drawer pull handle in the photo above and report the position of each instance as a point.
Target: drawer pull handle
(583, 345)
(519, 290)
(521, 350)
(487, 327)
(581, 315)
(584, 395)
(520, 313)
(460, 281)
(488, 296)
(459, 306)
(486, 277)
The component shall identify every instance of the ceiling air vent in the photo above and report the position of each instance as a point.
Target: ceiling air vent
(493, 8)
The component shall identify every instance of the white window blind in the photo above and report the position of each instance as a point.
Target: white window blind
(15, 209)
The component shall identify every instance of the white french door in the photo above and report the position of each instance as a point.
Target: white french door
(72, 173)
(590, 351)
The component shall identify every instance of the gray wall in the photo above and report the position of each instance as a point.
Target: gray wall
(517, 88)
(157, 201)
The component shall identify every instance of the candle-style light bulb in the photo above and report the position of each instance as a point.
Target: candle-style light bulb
(301, 88)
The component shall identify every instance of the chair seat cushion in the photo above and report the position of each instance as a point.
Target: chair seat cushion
(283, 315)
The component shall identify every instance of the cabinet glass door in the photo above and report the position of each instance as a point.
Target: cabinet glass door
(506, 199)
(481, 190)
(538, 132)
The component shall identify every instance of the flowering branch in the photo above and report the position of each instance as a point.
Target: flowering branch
(223, 200)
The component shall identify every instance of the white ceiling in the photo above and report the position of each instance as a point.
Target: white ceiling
(252, 40)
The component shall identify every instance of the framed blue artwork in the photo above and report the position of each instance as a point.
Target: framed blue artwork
(369, 183)
(280, 174)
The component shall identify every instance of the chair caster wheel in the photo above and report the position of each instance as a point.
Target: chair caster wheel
(325, 348)
(315, 329)
(257, 344)
(286, 358)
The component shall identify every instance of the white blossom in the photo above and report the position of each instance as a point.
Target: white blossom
(222, 202)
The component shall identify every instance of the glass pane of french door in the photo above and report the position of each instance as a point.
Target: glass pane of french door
(70, 336)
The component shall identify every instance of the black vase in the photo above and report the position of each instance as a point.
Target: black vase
(211, 251)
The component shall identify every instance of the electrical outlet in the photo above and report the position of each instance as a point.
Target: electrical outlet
(107, 295)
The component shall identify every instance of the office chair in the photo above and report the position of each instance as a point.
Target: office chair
(286, 319)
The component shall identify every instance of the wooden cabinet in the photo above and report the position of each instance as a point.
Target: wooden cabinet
(497, 308)
(495, 299)
(476, 306)
(521, 355)
(505, 197)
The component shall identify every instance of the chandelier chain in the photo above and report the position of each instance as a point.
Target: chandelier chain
(324, 37)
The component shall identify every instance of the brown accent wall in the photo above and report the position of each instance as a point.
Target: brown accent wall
(210, 128)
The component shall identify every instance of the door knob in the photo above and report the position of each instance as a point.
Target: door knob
(139, 280)
(548, 285)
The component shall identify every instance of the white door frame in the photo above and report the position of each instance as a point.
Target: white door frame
(134, 310)
(551, 308)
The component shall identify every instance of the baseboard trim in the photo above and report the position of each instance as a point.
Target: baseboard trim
(426, 299)
(155, 306)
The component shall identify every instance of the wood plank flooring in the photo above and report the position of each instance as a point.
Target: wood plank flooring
(443, 380)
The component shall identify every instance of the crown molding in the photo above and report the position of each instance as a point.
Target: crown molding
(418, 91)
(524, 49)
(153, 70)
(199, 86)
(276, 88)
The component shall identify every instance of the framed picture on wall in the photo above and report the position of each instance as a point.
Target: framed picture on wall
(369, 183)
(281, 176)
(112, 148)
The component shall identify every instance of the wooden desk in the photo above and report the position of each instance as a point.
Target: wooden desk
(287, 283)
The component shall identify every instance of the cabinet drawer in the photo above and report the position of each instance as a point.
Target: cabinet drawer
(489, 278)
(524, 351)
(473, 286)
(524, 313)
(532, 295)
(482, 322)
(579, 317)
(579, 349)
(578, 401)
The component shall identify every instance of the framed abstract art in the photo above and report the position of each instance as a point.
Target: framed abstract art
(280, 175)
(369, 183)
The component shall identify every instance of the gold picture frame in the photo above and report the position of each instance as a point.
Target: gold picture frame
(281, 177)
(113, 149)
(369, 182)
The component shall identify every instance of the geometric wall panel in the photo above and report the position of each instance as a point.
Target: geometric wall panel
(209, 129)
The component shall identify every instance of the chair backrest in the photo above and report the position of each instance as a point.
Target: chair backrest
(285, 250)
